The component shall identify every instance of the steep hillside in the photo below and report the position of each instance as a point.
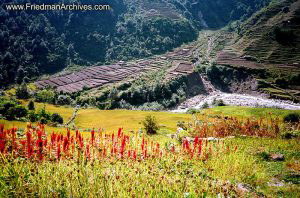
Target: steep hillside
(38, 42)
(269, 41)
(273, 34)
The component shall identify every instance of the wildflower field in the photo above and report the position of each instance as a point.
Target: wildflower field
(237, 162)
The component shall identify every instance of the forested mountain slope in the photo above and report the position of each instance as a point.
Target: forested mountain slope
(38, 42)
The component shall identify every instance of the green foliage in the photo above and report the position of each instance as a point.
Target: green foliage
(182, 125)
(292, 117)
(35, 43)
(192, 111)
(56, 118)
(64, 100)
(20, 111)
(218, 103)
(152, 106)
(22, 92)
(45, 95)
(12, 110)
(42, 113)
(150, 125)
(32, 116)
(43, 120)
(30, 105)
(148, 96)
(205, 105)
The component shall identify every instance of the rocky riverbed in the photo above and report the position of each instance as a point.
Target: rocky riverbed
(233, 99)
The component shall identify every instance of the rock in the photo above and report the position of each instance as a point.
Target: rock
(277, 157)
(173, 136)
(189, 139)
(275, 182)
(242, 188)
(212, 139)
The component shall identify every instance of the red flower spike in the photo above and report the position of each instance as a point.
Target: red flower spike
(134, 155)
(93, 136)
(119, 132)
(129, 154)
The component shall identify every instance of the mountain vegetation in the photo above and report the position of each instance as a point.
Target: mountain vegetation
(34, 43)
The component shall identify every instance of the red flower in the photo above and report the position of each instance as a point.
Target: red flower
(93, 136)
(119, 132)
(134, 155)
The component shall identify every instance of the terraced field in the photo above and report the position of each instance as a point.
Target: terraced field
(97, 76)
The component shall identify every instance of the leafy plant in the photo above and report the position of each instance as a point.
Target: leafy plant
(30, 105)
(150, 125)
(292, 118)
(22, 92)
(57, 118)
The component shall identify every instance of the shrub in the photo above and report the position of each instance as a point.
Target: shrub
(64, 100)
(152, 106)
(14, 112)
(218, 103)
(20, 111)
(192, 111)
(182, 125)
(22, 92)
(205, 105)
(57, 118)
(43, 120)
(32, 116)
(292, 118)
(150, 125)
(31, 105)
(45, 96)
(43, 114)
(10, 114)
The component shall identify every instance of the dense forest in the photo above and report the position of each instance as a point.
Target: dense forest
(38, 42)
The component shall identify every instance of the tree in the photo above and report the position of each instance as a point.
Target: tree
(22, 92)
(150, 125)
(31, 105)
(20, 111)
(57, 118)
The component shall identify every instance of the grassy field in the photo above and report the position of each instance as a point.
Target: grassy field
(111, 120)
(241, 168)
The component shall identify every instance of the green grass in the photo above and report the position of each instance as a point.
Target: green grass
(159, 177)
(248, 112)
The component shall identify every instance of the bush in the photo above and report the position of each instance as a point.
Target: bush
(32, 116)
(43, 120)
(64, 100)
(10, 114)
(150, 125)
(45, 96)
(292, 118)
(205, 105)
(43, 114)
(192, 111)
(20, 111)
(182, 125)
(16, 112)
(30, 105)
(22, 92)
(218, 103)
(152, 106)
(57, 118)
